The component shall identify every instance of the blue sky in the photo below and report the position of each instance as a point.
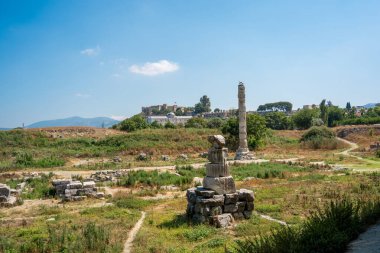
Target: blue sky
(108, 58)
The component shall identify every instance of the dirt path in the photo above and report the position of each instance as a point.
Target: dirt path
(352, 145)
(132, 234)
(272, 219)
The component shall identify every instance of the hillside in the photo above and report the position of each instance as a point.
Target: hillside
(75, 121)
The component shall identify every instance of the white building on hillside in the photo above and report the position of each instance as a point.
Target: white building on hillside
(170, 117)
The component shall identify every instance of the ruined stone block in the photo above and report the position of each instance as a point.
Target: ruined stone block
(247, 214)
(230, 208)
(88, 184)
(246, 195)
(250, 206)
(222, 185)
(231, 198)
(5, 190)
(238, 215)
(223, 220)
(241, 206)
(200, 191)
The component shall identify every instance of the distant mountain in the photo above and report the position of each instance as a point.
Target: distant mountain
(370, 105)
(4, 129)
(75, 121)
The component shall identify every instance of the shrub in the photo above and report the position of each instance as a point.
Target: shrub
(132, 124)
(360, 121)
(169, 125)
(215, 123)
(378, 153)
(318, 138)
(196, 123)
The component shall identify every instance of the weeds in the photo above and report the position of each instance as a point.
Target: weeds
(328, 230)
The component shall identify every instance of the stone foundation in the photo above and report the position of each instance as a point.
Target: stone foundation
(208, 207)
(75, 190)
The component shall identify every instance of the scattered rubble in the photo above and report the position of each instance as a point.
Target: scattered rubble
(183, 157)
(142, 157)
(165, 158)
(107, 175)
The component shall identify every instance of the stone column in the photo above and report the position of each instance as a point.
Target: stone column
(243, 152)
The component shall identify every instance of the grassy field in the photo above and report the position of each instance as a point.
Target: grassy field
(70, 228)
(29, 149)
(287, 192)
(291, 197)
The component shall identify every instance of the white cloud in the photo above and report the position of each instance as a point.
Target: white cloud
(119, 118)
(154, 68)
(81, 95)
(91, 51)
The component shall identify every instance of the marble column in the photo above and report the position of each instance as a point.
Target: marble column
(243, 152)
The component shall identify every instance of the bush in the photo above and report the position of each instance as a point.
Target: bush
(329, 230)
(378, 153)
(360, 121)
(169, 125)
(134, 123)
(215, 123)
(196, 123)
(318, 138)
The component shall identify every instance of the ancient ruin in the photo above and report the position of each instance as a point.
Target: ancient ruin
(8, 196)
(218, 202)
(243, 152)
(76, 190)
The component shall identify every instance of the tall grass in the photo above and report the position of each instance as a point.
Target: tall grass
(68, 238)
(184, 177)
(265, 170)
(328, 230)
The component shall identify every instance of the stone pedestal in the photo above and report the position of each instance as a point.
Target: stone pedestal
(209, 207)
(218, 202)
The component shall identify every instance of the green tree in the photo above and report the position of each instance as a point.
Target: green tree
(179, 112)
(323, 109)
(276, 107)
(256, 131)
(277, 120)
(134, 123)
(303, 118)
(348, 106)
(204, 105)
(335, 114)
